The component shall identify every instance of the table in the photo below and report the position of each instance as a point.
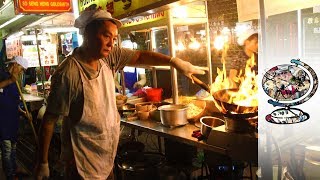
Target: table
(181, 134)
(32, 98)
(230, 144)
(35, 102)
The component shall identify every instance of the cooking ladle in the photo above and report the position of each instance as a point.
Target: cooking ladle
(200, 83)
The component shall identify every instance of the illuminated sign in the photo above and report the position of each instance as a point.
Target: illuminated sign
(146, 19)
(48, 55)
(115, 7)
(42, 6)
(13, 47)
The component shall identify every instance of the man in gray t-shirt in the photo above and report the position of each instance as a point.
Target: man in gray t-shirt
(83, 92)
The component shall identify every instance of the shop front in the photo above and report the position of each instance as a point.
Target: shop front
(41, 32)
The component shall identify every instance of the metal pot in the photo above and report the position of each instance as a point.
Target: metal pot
(173, 115)
(155, 113)
(209, 122)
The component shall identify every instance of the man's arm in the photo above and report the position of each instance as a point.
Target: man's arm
(45, 135)
(158, 59)
(116, 83)
(7, 82)
(150, 58)
(14, 74)
(141, 82)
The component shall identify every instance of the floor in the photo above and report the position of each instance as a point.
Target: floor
(151, 145)
(22, 175)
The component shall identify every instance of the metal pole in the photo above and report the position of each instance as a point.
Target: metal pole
(174, 78)
(209, 64)
(154, 77)
(29, 116)
(266, 165)
(300, 43)
(153, 69)
(123, 83)
(41, 67)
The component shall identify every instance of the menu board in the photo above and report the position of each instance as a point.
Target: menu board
(48, 55)
(13, 48)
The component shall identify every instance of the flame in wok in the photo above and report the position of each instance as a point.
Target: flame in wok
(246, 96)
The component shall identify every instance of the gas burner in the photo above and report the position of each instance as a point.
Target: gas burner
(241, 123)
(289, 85)
(238, 119)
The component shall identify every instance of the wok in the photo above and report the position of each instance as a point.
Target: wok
(228, 108)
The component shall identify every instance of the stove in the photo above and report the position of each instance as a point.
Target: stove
(241, 146)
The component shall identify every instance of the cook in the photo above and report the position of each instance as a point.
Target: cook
(83, 83)
(135, 78)
(249, 42)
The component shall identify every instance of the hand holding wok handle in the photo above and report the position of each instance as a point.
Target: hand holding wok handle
(201, 84)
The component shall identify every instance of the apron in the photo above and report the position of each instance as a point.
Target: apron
(9, 114)
(130, 78)
(95, 137)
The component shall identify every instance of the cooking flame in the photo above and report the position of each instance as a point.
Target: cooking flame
(247, 94)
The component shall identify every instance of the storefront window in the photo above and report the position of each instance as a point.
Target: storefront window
(161, 44)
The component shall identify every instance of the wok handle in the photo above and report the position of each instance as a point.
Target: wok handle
(200, 83)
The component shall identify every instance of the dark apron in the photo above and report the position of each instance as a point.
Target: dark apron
(131, 78)
(9, 102)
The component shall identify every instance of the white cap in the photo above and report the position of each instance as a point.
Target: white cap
(89, 15)
(20, 60)
(245, 35)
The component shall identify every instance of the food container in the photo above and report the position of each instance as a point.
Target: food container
(173, 115)
(121, 99)
(145, 106)
(209, 122)
(155, 112)
(143, 115)
(154, 94)
(196, 109)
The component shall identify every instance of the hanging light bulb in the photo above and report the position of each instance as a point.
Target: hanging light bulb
(219, 42)
(180, 46)
(194, 45)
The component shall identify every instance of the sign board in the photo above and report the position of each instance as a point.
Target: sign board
(115, 7)
(42, 6)
(48, 55)
(13, 48)
(249, 9)
(146, 19)
(316, 9)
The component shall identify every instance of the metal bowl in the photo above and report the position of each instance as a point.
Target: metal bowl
(173, 115)
(209, 122)
(196, 117)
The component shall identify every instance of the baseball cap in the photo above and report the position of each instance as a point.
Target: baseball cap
(245, 35)
(20, 60)
(89, 15)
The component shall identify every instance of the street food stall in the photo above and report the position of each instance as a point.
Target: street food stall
(183, 32)
(166, 32)
(32, 30)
